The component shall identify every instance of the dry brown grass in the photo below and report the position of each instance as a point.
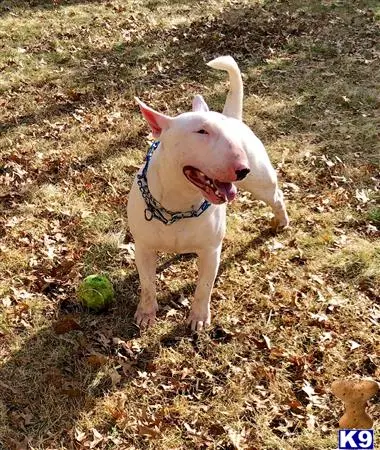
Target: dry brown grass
(291, 312)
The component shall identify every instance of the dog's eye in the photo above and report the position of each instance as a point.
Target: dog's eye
(202, 131)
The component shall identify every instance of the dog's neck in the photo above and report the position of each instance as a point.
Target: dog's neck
(169, 186)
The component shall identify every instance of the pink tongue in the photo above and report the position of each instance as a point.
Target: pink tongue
(227, 189)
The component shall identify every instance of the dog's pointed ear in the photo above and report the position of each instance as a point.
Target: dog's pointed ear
(158, 122)
(199, 104)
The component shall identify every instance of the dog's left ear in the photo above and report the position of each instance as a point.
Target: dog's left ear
(158, 122)
(199, 104)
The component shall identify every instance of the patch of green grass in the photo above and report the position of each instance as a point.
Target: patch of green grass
(101, 257)
(374, 215)
(358, 262)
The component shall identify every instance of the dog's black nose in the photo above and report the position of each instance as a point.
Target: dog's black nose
(242, 173)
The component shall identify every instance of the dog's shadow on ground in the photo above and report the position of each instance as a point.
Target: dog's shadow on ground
(57, 377)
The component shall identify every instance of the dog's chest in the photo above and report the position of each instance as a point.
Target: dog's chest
(187, 235)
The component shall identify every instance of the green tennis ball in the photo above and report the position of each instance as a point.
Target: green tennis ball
(96, 292)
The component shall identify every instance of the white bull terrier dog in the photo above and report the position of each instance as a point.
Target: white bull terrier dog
(178, 199)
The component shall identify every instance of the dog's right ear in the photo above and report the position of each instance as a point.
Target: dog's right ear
(199, 104)
(158, 122)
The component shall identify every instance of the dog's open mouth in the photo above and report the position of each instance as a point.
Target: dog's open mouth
(215, 191)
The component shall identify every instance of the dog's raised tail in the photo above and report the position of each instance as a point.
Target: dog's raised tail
(234, 101)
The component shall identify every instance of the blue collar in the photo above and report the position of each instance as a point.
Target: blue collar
(153, 208)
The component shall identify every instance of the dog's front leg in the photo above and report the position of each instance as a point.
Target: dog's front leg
(208, 263)
(146, 260)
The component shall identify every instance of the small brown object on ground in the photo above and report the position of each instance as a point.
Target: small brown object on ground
(355, 395)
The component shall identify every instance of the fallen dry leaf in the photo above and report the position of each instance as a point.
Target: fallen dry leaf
(311, 421)
(97, 360)
(66, 325)
(72, 392)
(237, 438)
(97, 438)
(115, 377)
(151, 432)
(267, 342)
(362, 196)
(79, 435)
(353, 344)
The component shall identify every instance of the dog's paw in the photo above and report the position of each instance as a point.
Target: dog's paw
(280, 223)
(145, 319)
(199, 320)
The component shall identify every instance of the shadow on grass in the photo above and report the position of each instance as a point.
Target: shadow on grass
(52, 381)
(8, 6)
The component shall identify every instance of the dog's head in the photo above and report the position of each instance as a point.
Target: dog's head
(206, 146)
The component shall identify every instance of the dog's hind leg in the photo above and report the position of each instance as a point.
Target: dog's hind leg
(267, 190)
(208, 263)
(146, 260)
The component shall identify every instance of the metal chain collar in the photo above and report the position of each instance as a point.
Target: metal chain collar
(153, 208)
